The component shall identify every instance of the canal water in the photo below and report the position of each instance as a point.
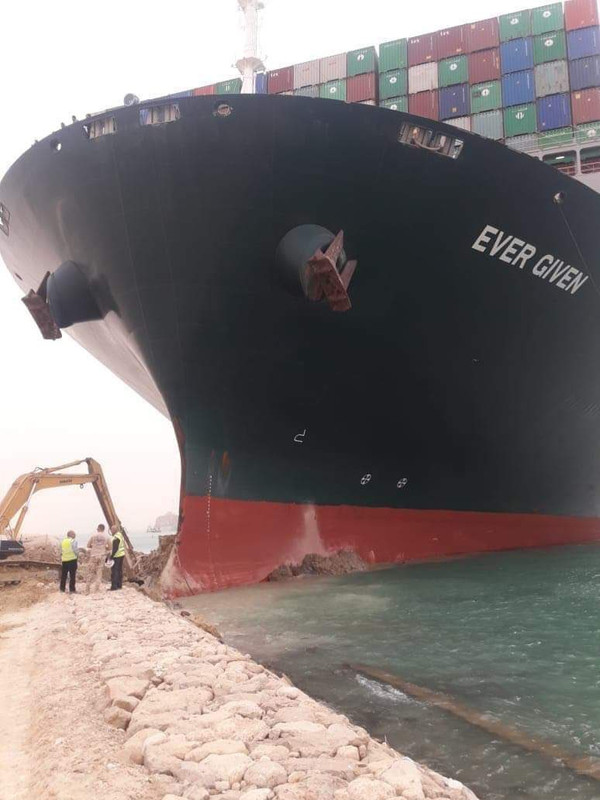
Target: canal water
(513, 636)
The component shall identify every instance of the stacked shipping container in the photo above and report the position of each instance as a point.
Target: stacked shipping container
(526, 77)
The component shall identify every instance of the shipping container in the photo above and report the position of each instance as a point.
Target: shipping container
(588, 132)
(395, 103)
(422, 78)
(307, 91)
(486, 97)
(585, 73)
(393, 84)
(554, 112)
(453, 70)
(360, 62)
(424, 104)
(581, 14)
(547, 18)
(552, 78)
(454, 101)
(519, 120)
(280, 80)
(555, 138)
(333, 68)
(524, 144)
(518, 88)
(451, 42)
(333, 90)
(234, 86)
(307, 74)
(393, 55)
(422, 49)
(549, 47)
(586, 106)
(260, 83)
(516, 55)
(464, 123)
(484, 66)
(482, 35)
(515, 26)
(488, 124)
(361, 87)
(367, 102)
(204, 90)
(583, 43)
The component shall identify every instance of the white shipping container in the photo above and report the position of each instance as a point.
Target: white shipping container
(552, 78)
(525, 144)
(306, 74)
(367, 102)
(332, 68)
(423, 78)
(464, 123)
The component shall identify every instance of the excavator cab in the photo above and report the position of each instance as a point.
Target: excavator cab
(10, 547)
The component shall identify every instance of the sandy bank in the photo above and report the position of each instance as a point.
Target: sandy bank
(118, 696)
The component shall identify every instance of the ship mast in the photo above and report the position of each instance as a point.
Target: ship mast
(250, 63)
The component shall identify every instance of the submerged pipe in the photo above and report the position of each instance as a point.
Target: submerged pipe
(587, 766)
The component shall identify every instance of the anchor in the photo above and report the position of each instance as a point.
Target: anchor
(323, 278)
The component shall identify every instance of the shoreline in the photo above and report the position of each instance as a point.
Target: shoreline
(186, 715)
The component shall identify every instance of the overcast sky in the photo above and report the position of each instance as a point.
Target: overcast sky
(68, 57)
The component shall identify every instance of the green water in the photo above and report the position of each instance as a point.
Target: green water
(513, 635)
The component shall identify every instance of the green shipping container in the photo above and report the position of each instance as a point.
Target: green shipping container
(359, 62)
(515, 26)
(556, 138)
(550, 47)
(453, 70)
(590, 132)
(486, 97)
(234, 86)
(395, 103)
(547, 18)
(519, 120)
(334, 90)
(393, 55)
(393, 84)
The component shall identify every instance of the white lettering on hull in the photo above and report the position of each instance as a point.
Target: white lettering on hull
(514, 251)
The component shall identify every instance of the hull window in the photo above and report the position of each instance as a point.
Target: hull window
(159, 115)
(563, 162)
(100, 127)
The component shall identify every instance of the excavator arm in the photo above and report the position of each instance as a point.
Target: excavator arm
(19, 495)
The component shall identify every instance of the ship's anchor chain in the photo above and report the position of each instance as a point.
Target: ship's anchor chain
(324, 280)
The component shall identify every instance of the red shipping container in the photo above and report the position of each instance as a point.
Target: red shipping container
(361, 87)
(424, 104)
(451, 42)
(484, 66)
(422, 49)
(202, 90)
(482, 35)
(580, 14)
(281, 80)
(586, 106)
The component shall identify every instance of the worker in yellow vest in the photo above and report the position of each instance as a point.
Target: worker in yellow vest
(117, 555)
(69, 552)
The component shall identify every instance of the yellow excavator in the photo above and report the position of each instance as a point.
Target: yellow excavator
(19, 496)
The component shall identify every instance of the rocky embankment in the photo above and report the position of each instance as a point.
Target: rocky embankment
(208, 721)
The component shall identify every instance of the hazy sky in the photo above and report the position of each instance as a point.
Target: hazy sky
(68, 57)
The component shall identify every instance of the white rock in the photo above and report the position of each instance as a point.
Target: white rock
(289, 691)
(172, 797)
(405, 778)
(229, 767)
(134, 746)
(217, 747)
(127, 686)
(348, 751)
(244, 708)
(196, 793)
(295, 713)
(257, 794)
(126, 701)
(117, 717)
(265, 773)
(298, 728)
(276, 752)
(369, 789)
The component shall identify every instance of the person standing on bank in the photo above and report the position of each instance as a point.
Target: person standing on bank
(117, 555)
(69, 550)
(98, 545)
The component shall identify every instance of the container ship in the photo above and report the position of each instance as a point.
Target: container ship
(363, 288)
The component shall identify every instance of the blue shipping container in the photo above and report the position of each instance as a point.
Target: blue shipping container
(261, 83)
(518, 88)
(455, 101)
(554, 112)
(516, 55)
(585, 73)
(583, 42)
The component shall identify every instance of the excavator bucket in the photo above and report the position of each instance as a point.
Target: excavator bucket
(10, 547)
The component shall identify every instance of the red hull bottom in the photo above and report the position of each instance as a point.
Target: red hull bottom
(224, 543)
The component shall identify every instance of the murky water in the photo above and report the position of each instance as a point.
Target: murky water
(513, 635)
